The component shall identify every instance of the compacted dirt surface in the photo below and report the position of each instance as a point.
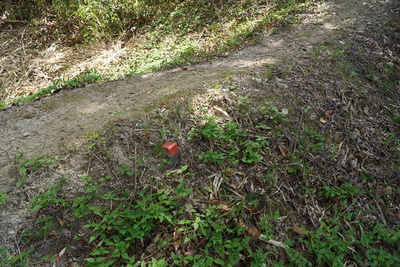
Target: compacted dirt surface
(55, 124)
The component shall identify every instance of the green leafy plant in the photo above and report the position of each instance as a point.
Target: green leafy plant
(3, 104)
(219, 250)
(328, 245)
(3, 198)
(128, 223)
(311, 142)
(18, 260)
(333, 245)
(234, 144)
(49, 197)
(181, 170)
(121, 231)
(212, 156)
(32, 165)
(88, 77)
(125, 170)
(346, 190)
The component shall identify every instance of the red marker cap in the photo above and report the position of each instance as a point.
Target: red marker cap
(171, 148)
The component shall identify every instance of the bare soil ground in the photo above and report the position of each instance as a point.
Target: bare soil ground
(296, 68)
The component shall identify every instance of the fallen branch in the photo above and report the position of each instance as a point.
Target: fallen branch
(273, 242)
(13, 21)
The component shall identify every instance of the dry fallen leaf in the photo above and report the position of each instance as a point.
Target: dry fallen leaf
(224, 207)
(190, 253)
(382, 190)
(322, 120)
(284, 151)
(234, 187)
(253, 232)
(61, 253)
(328, 112)
(83, 242)
(151, 248)
(394, 217)
(61, 222)
(299, 230)
(159, 255)
(222, 113)
(239, 172)
(177, 238)
(147, 135)
(282, 255)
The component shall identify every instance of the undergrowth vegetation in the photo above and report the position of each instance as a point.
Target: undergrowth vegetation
(90, 20)
(147, 36)
(296, 166)
(249, 189)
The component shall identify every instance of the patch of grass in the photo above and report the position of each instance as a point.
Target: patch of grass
(232, 141)
(192, 32)
(334, 244)
(88, 77)
(157, 34)
(250, 189)
(3, 104)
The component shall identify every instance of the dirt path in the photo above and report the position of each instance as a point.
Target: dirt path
(53, 124)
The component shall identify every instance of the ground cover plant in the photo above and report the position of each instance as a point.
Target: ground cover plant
(255, 185)
(70, 44)
(294, 164)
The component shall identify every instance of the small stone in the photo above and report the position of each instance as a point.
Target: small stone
(66, 233)
(353, 164)
(26, 134)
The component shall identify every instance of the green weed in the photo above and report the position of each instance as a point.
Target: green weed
(3, 198)
(27, 167)
(88, 77)
(232, 143)
(132, 222)
(122, 231)
(311, 142)
(333, 245)
(49, 197)
(129, 228)
(235, 145)
(343, 192)
(18, 260)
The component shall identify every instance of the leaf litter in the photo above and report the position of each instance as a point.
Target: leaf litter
(352, 157)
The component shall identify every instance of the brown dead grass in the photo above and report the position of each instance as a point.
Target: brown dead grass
(29, 62)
